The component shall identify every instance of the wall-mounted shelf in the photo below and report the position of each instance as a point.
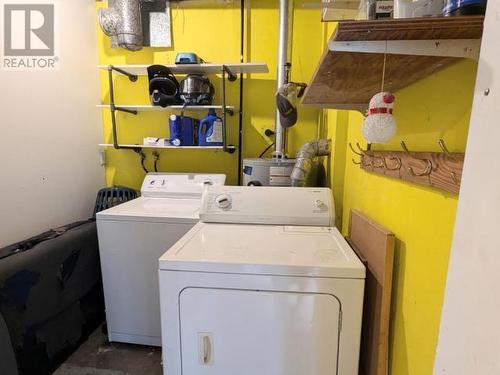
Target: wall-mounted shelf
(137, 146)
(141, 70)
(151, 108)
(227, 72)
(350, 71)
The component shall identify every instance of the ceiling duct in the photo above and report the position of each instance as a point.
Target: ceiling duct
(123, 20)
(134, 24)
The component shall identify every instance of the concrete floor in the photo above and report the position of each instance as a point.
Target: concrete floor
(97, 356)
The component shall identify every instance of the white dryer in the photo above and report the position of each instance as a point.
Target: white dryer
(264, 285)
(132, 236)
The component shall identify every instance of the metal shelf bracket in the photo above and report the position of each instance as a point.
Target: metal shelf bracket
(114, 108)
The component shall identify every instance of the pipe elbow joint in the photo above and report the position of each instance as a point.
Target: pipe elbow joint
(305, 157)
(123, 21)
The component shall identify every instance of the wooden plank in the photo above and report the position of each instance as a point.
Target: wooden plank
(411, 29)
(446, 169)
(375, 246)
(346, 80)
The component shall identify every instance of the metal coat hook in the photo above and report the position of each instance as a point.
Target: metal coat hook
(428, 169)
(357, 153)
(360, 153)
(445, 150)
(454, 176)
(382, 163)
(398, 166)
(373, 157)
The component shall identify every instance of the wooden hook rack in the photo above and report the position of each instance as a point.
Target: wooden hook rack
(440, 170)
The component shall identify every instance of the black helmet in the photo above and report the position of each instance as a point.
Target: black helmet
(163, 86)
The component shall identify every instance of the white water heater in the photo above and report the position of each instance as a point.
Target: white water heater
(267, 172)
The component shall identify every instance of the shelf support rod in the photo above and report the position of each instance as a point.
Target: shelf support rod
(460, 48)
(230, 75)
(229, 149)
(223, 103)
(131, 77)
(131, 111)
(113, 107)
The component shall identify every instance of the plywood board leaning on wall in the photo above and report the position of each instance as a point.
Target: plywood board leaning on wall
(375, 246)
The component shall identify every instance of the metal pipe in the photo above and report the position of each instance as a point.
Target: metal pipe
(112, 107)
(223, 103)
(305, 158)
(240, 112)
(123, 21)
(281, 75)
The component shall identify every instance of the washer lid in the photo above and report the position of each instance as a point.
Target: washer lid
(154, 209)
(264, 250)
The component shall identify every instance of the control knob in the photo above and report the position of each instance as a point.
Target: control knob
(321, 205)
(223, 201)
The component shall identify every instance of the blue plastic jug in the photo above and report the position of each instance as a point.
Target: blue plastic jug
(210, 130)
(183, 130)
(464, 7)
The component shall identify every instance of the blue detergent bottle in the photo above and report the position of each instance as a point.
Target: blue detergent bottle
(210, 130)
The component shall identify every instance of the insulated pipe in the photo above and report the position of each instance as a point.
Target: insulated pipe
(305, 157)
(281, 77)
(123, 21)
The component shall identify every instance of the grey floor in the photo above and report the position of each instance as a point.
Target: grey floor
(98, 357)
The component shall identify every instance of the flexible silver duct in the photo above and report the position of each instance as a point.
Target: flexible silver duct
(282, 60)
(123, 20)
(305, 159)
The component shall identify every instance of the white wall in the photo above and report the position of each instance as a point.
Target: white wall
(469, 341)
(49, 131)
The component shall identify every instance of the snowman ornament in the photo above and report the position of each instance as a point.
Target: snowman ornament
(379, 125)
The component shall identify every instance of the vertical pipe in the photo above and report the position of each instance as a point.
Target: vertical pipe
(224, 110)
(112, 107)
(282, 61)
(240, 114)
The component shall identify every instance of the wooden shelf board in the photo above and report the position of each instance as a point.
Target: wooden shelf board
(196, 68)
(411, 29)
(108, 145)
(150, 108)
(348, 80)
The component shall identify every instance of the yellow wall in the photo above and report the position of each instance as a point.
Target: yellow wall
(213, 32)
(422, 218)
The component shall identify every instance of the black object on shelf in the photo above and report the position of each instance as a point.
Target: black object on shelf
(464, 7)
(163, 86)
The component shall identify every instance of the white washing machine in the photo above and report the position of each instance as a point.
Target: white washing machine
(132, 236)
(263, 285)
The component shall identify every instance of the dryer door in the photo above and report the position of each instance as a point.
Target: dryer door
(246, 332)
